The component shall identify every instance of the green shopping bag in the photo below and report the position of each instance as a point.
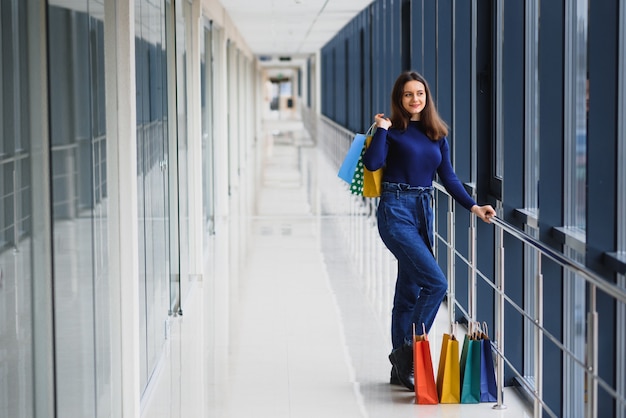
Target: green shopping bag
(356, 186)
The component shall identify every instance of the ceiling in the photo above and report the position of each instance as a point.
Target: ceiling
(290, 28)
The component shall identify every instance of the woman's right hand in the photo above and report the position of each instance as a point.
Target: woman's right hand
(382, 121)
(485, 212)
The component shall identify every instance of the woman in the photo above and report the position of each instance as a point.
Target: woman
(412, 146)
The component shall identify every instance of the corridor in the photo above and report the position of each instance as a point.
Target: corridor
(305, 339)
(175, 241)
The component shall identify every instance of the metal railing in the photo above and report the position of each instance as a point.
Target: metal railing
(595, 283)
(15, 211)
(335, 140)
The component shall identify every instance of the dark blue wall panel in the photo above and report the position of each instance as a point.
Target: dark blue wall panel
(462, 90)
(602, 216)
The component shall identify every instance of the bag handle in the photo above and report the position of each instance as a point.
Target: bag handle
(453, 330)
(485, 331)
(371, 130)
(423, 337)
(474, 331)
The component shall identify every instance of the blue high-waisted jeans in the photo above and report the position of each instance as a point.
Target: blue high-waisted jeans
(405, 219)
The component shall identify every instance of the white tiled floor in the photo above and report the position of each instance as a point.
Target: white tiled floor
(304, 339)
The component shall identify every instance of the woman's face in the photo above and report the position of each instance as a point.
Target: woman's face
(414, 98)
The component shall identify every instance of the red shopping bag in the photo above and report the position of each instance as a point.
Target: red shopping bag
(425, 386)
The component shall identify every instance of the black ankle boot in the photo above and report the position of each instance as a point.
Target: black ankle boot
(402, 360)
(393, 379)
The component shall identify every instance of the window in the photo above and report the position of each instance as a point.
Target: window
(531, 182)
(575, 175)
(531, 140)
(575, 101)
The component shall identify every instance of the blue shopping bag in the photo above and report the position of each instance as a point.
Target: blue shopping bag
(488, 390)
(346, 171)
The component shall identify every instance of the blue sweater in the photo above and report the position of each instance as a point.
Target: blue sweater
(412, 158)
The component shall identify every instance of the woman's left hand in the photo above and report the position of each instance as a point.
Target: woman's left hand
(381, 121)
(484, 212)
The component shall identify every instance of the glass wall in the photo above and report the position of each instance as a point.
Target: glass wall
(16, 257)
(56, 356)
(78, 167)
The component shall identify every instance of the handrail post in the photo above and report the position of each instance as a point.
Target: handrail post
(16, 220)
(499, 317)
(451, 258)
(537, 409)
(592, 355)
(472, 289)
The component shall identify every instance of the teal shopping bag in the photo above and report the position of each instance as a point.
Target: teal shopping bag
(470, 370)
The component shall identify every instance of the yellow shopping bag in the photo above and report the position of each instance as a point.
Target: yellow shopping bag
(448, 373)
(372, 180)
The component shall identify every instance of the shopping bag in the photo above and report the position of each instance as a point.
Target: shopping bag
(448, 373)
(470, 368)
(363, 181)
(425, 386)
(356, 184)
(372, 180)
(348, 166)
(488, 390)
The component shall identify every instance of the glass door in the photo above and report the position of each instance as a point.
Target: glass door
(152, 180)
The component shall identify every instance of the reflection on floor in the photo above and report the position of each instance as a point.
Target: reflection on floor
(303, 338)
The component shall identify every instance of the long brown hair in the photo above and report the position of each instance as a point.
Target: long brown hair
(432, 124)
